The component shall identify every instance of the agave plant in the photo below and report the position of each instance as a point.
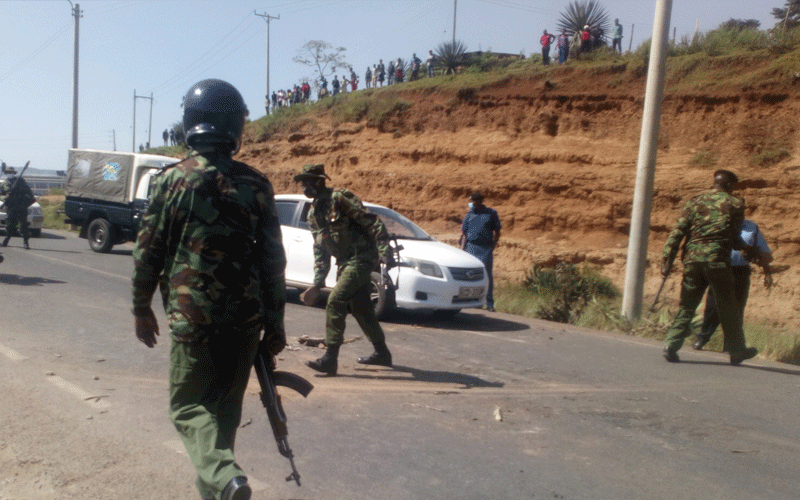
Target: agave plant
(579, 13)
(451, 55)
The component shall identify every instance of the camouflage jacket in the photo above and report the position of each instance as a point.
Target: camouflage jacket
(342, 228)
(711, 224)
(211, 239)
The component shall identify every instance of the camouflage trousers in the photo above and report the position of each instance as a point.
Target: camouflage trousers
(697, 277)
(208, 378)
(352, 291)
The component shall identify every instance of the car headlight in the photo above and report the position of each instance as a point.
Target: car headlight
(35, 211)
(425, 267)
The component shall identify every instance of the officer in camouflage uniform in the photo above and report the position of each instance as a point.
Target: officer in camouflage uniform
(342, 228)
(211, 241)
(711, 224)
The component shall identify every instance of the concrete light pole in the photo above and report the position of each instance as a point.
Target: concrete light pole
(267, 18)
(645, 170)
(76, 12)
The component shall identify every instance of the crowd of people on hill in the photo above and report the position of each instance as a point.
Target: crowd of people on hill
(581, 42)
(375, 76)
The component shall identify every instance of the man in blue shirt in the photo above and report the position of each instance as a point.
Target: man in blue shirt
(741, 280)
(480, 233)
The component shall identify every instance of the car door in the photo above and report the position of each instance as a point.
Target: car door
(298, 243)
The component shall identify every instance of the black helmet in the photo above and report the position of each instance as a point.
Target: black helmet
(213, 113)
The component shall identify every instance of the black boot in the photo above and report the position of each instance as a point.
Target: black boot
(27, 247)
(5, 241)
(381, 356)
(237, 489)
(328, 363)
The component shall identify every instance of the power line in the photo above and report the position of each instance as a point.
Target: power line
(36, 52)
(220, 45)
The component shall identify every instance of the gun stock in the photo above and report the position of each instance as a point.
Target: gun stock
(269, 379)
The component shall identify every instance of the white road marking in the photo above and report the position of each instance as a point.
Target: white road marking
(11, 353)
(92, 400)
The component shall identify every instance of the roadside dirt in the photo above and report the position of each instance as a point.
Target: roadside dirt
(557, 159)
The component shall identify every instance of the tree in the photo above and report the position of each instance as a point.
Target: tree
(579, 13)
(321, 57)
(451, 55)
(788, 17)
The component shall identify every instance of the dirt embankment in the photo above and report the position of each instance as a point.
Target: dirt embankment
(558, 159)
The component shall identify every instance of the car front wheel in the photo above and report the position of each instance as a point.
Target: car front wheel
(382, 296)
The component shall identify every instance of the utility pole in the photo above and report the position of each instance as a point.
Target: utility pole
(630, 42)
(267, 18)
(149, 132)
(455, 4)
(76, 12)
(114, 137)
(645, 171)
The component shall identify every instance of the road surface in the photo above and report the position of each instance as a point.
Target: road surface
(483, 406)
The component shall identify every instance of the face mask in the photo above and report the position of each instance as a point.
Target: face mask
(310, 191)
(471, 205)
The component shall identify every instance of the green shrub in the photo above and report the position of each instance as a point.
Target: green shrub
(569, 289)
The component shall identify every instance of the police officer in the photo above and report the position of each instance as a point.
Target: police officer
(212, 241)
(18, 198)
(711, 224)
(342, 228)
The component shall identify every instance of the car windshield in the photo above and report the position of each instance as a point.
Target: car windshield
(398, 226)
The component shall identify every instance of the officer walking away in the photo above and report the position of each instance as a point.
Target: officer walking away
(342, 228)
(18, 198)
(212, 241)
(711, 224)
(480, 233)
(740, 268)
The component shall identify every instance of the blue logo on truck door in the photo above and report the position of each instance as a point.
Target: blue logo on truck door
(110, 171)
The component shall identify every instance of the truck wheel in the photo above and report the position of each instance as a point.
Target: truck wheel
(99, 235)
(381, 296)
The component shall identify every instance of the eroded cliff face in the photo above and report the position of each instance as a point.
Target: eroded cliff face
(558, 159)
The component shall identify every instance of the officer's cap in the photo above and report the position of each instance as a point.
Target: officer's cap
(315, 171)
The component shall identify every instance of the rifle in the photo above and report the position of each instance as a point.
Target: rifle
(268, 378)
(661, 287)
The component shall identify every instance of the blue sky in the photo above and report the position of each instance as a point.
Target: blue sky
(164, 46)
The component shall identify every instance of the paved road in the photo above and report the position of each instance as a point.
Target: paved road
(584, 414)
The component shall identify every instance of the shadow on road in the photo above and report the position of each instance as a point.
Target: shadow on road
(435, 377)
(15, 279)
(772, 369)
(473, 321)
(476, 322)
(50, 236)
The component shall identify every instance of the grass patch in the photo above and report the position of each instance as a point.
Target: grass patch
(53, 210)
(604, 313)
(704, 158)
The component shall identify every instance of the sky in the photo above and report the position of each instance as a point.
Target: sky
(160, 48)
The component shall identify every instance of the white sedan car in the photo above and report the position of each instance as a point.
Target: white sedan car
(430, 275)
(35, 220)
